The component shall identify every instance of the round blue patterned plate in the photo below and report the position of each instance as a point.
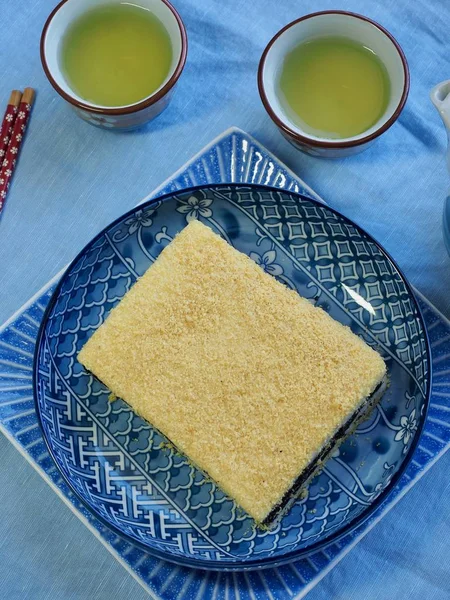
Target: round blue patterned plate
(120, 467)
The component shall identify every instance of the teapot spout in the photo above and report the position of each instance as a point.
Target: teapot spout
(440, 97)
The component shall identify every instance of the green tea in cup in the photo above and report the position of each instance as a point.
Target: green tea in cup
(333, 87)
(116, 54)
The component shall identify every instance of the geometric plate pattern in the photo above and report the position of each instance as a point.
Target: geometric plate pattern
(130, 475)
(234, 156)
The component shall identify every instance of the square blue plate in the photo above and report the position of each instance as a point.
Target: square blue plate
(233, 157)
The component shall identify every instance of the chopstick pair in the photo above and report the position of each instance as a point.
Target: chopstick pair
(11, 136)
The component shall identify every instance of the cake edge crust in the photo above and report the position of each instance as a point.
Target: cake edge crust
(314, 467)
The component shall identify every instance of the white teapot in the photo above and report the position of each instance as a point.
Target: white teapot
(440, 96)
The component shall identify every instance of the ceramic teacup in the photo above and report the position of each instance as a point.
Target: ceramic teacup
(332, 23)
(118, 117)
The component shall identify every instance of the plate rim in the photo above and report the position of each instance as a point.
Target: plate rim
(255, 563)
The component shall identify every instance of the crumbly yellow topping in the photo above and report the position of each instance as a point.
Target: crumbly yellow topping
(243, 375)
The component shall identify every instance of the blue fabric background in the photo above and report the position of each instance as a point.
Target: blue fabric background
(73, 179)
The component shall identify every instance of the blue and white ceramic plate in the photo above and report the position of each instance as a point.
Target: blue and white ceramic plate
(232, 157)
(116, 462)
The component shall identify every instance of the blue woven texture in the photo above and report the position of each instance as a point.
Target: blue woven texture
(73, 179)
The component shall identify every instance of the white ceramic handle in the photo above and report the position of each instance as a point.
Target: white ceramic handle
(440, 97)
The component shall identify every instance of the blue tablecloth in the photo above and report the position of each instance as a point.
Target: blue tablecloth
(73, 179)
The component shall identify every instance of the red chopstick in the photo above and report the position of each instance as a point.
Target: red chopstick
(8, 121)
(15, 142)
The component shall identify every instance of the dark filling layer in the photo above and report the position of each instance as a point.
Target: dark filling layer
(344, 431)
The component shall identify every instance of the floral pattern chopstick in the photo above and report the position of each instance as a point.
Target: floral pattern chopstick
(17, 120)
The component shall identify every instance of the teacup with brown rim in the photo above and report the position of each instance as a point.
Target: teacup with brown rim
(332, 23)
(126, 117)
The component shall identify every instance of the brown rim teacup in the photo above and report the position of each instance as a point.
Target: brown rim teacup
(340, 23)
(114, 117)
